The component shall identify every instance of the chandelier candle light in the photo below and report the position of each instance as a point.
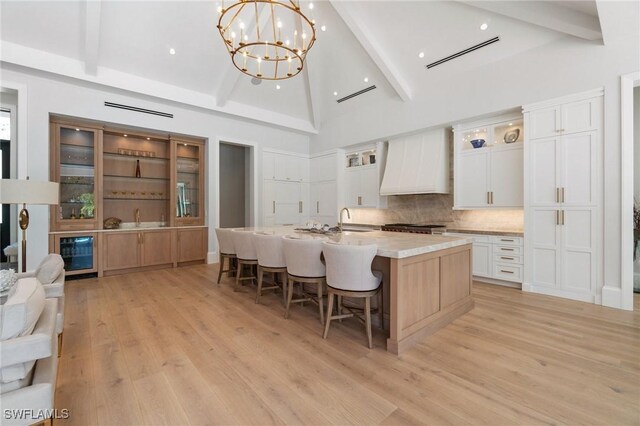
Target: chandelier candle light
(261, 51)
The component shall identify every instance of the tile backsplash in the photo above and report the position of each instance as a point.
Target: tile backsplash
(437, 209)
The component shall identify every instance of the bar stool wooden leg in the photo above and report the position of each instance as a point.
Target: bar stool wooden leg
(381, 308)
(320, 307)
(339, 307)
(329, 314)
(284, 289)
(289, 297)
(260, 273)
(221, 268)
(238, 274)
(367, 318)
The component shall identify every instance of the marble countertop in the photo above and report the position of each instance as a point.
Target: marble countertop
(506, 233)
(395, 245)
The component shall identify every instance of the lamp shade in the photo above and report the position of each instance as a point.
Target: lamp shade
(21, 191)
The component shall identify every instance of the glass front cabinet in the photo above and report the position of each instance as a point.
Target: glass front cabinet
(78, 252)
(75, 165)
(189, 178)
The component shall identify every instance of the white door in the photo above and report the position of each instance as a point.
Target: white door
(482, 258)
(352, 188)
(507, 177)
(369, 186)
(580, 116)
(578, 180)
(578, 250)
(544, 123)
(287, 207)
(473, 179)
(545, 247)
(544, 171)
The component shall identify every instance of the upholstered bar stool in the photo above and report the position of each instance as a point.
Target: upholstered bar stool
(227, 251)
(304, 265)
(245, 254)
(270, 259)
(349, 274)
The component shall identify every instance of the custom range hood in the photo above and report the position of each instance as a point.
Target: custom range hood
(418, 164)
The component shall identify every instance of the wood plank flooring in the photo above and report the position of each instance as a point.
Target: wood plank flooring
(172, 347)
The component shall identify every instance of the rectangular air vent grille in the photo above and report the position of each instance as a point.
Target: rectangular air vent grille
(353, 95)
(464, 52)
(136, 109)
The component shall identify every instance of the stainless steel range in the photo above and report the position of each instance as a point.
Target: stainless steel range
(410, 227)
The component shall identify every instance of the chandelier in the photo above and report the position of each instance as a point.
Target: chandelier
(267, 39)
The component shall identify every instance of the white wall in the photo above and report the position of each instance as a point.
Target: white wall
(636, 144)
(58, 95)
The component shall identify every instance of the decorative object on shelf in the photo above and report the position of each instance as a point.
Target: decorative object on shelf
(477, 143)
(372, 159)
(138, 169)
(511, 136)
(19, 191)
(354, 162)
(136, 153)
(112, 223)
(73, 214)
(275, 54)
(88, 205)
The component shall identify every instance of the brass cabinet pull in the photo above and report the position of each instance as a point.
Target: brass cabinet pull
(557, 195)
(562, 217)
(491, 197)
(557, 217)
(502, 239)
(317, 206)
(506, 249)
(507, 258)
(359, 200)
(274, 207)
(506, 272)
(488, 199)
(138, 238)
(562, 194)
(299, 206)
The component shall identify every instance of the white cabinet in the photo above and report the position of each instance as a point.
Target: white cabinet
(490, 176)
(285, 189)
(563, 198)
(324, 168)
(362, 182)
(496, 258)
(285, 167)
(323, 202)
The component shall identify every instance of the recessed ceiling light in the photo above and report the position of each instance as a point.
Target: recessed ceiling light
(510, 124)
(77, 130)
(186, 144)
(125, 136)
(172, 51)
(421, 55)
(148, 139)
(310, 5)
(366, 79)
(484, 26)
(335, 93)
(323, 28)
(277, 87)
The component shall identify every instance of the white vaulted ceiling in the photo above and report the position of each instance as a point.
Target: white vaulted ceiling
(126, 44)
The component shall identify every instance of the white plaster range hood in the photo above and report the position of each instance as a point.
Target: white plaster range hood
(418, 164)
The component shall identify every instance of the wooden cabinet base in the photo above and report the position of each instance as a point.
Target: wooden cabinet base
(427, 292)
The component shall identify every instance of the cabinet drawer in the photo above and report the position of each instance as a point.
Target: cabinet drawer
(477, 238)
(508, 241)
(502, 249)
(507, 272)
(507, 258)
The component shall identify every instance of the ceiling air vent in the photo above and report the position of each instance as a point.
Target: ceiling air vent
(353, 95)
(136, 109)
(464, 52)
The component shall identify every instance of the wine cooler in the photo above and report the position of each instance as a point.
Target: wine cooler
(78, 253)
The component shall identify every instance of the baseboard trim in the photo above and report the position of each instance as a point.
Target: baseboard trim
(549, 291)
(212, 257)
(612, 298)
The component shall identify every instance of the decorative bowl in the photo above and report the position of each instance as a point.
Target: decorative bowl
(477, 143)
(511, 136)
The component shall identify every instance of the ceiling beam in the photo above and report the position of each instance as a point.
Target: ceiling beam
(92, 36)
(375, 51)
(313, 97)
(231, 74)
(545, 14)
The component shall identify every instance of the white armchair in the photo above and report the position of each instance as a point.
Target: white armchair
(28, 355)
(50, 273)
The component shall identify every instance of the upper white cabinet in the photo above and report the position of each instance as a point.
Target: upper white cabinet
(362, 177)
(563, 197)
(490, 176)
(285, 167)
(577, 116)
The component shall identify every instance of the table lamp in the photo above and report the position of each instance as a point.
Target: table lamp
(25, 191)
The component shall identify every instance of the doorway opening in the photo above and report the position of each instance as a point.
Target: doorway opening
(236, 202)
(8, 221)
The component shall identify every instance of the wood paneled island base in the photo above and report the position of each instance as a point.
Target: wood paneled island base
(427, 292)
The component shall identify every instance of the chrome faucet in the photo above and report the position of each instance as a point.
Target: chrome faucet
(348, 217)
(137, 214)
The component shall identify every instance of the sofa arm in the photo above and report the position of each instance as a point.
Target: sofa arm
(37, 345)
(29, 274)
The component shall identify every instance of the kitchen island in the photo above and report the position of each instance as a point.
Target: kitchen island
(427, 280)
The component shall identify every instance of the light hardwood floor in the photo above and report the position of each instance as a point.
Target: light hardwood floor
(172, 347)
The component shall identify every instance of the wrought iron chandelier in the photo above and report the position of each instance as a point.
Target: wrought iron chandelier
(267, 39)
